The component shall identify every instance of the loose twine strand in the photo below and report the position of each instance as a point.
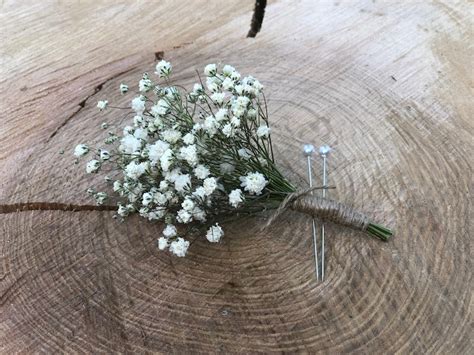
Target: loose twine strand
(322, 208)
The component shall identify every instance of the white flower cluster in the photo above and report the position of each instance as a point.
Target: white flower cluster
(189, 157)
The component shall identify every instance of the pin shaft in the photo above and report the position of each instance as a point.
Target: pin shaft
(313, 223)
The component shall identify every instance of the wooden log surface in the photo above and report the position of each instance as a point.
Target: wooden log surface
(388, 84)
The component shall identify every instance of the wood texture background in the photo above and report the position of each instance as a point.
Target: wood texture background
(388, 84)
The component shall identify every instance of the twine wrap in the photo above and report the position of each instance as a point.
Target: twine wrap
(322, 208)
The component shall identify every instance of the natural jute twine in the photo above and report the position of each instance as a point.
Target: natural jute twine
(322, 208)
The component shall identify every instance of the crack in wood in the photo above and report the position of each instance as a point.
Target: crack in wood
(52, 206)
(83, 102)
(257, 18)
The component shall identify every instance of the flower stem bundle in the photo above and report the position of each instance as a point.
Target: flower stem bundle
(189, 158)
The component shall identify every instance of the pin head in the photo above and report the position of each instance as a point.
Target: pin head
(324, 150)
(308, 149)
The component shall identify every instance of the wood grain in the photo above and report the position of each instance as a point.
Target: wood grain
(389, 85)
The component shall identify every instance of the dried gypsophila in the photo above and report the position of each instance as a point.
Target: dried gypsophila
(193, 156)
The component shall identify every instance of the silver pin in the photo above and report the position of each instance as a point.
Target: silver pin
(324, 152)
(308, 150)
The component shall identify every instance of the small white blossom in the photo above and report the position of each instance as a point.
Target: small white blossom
(199, 214)
(254, 183)
(210, 70)
(102, 105)
(147, 198)
(228, 130)
(130, 144)
(117, 186)
(182, 183)
(221, 114)
(166, 159)
(138, 104)
(189, 154)
(218, 97)
(263, 131)
(228, 84)
(156, 150)
(92, 166)
(123, 88)
(145, 85)
(236, 198)
(123, 211)
(188, 204)
(184, 216)
(228, 70)
(210, 185)
(170, 231)
(81, 150)
(104, 154)
(162, 243)
(179, 247)
(198, 88)
(163, 69)
(200, 192)
(188, 138)
(100, 197)
(210, 125)
(171, 135)
(235, 121)
(134, 170)
(215, 233)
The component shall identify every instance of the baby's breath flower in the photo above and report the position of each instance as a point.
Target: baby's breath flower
(263, 131)
(162, 243)
(218, 98)
(228, 70)
(163, 69)
(179, 247)
(188, 204)
(228, 84)
(102, 105)
(145, 84)
(147, 198)
(188, 138)
(104, 154)
(117, 186)
(100, 197)
(210, 185)
(210, 70)
(221, 114)
(134, 170)
(156, 150)
(138, 104)
(171, 135)
(166, 159)
(123, 88)
(81, 150)
(184, 217)
(92, 166)
(182, 182)
(130, 144)
(254, 183)
(215, 233)
(189, 154)
(170, 231)
(236, 198)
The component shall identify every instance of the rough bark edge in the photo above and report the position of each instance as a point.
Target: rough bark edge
(257, 18)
